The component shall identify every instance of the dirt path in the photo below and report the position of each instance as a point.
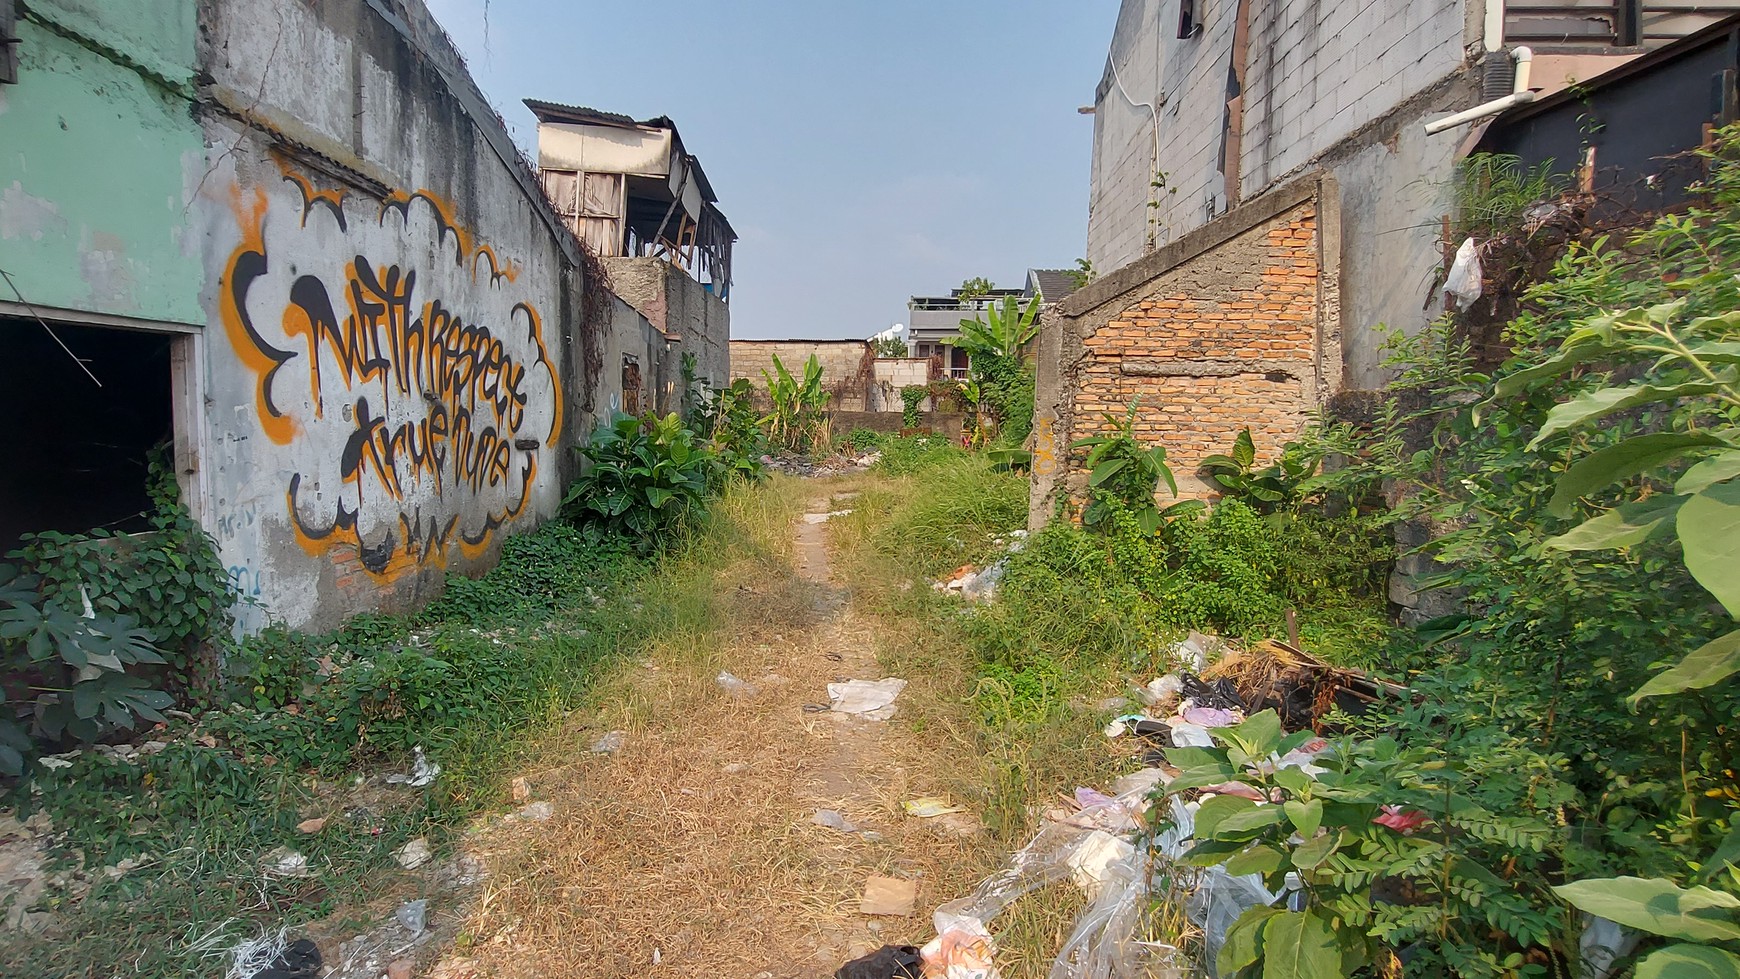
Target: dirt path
(693, 851)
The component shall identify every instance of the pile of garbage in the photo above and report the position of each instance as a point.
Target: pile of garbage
(979, 584)
(839, 465)
(1122, 854)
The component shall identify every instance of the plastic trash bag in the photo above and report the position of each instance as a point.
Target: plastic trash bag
(873, 699)
(1602, 944)
(1103, 943)
(1463, 283)
(1218, 901)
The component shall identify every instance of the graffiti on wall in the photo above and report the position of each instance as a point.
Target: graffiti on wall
(397, 367)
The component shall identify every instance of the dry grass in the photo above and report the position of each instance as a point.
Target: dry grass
(693, 846)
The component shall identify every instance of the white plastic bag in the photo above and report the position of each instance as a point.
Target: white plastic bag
(1462, 285)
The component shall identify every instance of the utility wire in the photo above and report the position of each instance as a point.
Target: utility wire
(26, 304)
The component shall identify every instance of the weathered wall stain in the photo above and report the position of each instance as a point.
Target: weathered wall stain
(392, 358)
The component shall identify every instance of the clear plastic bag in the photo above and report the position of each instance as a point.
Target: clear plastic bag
(1463, 281)
(1103, 944)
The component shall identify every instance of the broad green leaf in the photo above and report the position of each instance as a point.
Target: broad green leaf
(1623, 526)
(1310, 854)
(1240, 823)
(1107, 470)
(1300, 945)
(1201, 778)
(1602, 402)
(1657, 906)
(1709, 530)
(1291, 779)
(1727, 853)
(1579, 348)
(1305, 816)
(1258, 734)
(1689, 962)
(1259, 859)
(1635, 455)
(1709, 664)
(1185, 759)
(1244, 449)
(1719, 467)
(1216, 809)
(1243, 944)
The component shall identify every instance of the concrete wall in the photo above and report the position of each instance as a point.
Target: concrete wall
(842, 363)
(390, 387)
(1234, 326)
(99, 157)
(1337, 85)
(680, 306)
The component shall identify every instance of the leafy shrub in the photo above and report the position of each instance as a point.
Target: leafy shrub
(911, 399)
(727, 422)
(645, 478)
(1278, 486)
(1124, 475)
(167, 579)
(67, 675)
(862, 439)
(907, 454)
(1002, 380)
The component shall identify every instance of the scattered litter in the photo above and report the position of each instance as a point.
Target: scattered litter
(815, 518)
(1298, 686)
(873, 699)
(536, 812)
(285, 862)
(1219, 694)
(1209, 717)
(834, 819)
(522, 789)
(1197, 650)
(1089, 861)
(423, 771)
(735, 686)
(1462, 284)
(974, 584)
(962, 949)
(888, 896)
(413, 915)
(609, 744)
(311, 826)
(270, 956)
(1190, 736)
(55, 762)
(928, 807)
(413, 854)
(887, 962)
(1120, 726)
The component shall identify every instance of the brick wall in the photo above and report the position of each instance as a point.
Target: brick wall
(1231, 327)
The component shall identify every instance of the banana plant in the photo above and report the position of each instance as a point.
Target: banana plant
(798, 416)
(1010, 327)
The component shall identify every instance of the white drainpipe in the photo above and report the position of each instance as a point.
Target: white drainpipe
(1520, 95)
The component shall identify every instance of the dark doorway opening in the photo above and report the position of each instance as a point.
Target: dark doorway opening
(76, 457)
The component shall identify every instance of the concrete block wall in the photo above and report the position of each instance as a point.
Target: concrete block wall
(841, 362)
(1234, 326)
(698, 321)
(1317, 71)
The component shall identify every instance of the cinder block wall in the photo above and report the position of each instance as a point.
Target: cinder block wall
(1235, 326)
(840, 359)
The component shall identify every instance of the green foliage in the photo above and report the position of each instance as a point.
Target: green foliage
(67, 675)
(1492, 192)
(168, 579)
(1659, 907)
(907, 454)
(798, 420)
(890, 348)
(862, 439)
(1276, 487)
(911, 400)
(1004, 332)
(974, 288)
(93, 626)
(1082, 274)
(1123, 474)
(1377, 812)
(726, 422)
(645, 478)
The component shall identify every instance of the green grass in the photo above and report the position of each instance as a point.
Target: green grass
(476, 680)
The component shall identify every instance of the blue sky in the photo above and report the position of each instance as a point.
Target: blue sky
(865, 150)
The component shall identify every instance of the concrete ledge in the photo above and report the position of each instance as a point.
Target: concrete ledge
(1295, 369)
(1221, 230)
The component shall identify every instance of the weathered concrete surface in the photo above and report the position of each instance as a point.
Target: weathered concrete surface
(698, 321)
(99, 158)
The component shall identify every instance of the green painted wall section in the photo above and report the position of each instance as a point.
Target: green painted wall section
(98, 159)
(156, 35)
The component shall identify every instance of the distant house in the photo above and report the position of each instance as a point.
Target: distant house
(933, 321)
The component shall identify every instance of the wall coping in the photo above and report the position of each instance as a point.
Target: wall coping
(1110, 287)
